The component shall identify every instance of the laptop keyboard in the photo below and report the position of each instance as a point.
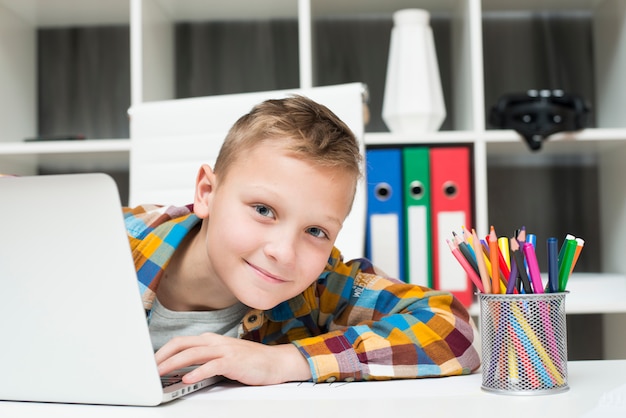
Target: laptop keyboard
(172, 379)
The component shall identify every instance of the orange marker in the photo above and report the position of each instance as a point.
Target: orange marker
(579, 247)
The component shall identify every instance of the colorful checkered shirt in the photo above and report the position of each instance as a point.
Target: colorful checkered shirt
(351, 324)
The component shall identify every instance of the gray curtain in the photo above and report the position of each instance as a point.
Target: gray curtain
(235, 57)
(83, 81)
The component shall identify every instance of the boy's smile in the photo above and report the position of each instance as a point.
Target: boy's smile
(271, 225)
(270, 278)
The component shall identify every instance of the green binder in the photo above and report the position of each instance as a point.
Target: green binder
(417, 212)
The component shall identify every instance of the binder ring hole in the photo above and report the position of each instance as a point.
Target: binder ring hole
(382, 191)
(416, 189)
(450, 190)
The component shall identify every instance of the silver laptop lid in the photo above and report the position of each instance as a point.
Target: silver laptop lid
(72, 324)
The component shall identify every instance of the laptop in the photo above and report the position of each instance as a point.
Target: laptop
(72, 324)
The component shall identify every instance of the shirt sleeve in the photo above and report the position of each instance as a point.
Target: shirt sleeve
(380, 328)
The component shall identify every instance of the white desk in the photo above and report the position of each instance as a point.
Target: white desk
(452, 396)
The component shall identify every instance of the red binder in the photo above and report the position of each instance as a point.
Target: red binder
(451, 209)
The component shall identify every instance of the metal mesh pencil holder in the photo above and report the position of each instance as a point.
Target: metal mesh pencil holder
(524, 343)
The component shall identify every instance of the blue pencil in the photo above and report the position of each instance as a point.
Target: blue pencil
(553, 265)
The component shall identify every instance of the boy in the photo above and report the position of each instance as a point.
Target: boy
(246, 282)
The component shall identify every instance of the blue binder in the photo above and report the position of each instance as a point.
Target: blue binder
(385, 211)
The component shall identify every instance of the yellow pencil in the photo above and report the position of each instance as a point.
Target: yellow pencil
(503, 244)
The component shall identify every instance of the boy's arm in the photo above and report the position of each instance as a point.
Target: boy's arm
(380, 328)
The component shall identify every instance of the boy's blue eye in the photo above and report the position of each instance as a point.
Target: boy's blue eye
(264, 211)
(316, 232)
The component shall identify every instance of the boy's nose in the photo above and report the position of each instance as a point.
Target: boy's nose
(282, 247)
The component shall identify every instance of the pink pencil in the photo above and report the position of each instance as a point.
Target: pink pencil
(533, 267)
(466, 266)
(495, 261)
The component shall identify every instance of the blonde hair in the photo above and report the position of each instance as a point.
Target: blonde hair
(308, 129)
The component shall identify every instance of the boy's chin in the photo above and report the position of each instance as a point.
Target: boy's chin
(261, 304)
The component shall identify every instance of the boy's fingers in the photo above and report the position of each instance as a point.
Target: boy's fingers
(179, 344)
(189, 356)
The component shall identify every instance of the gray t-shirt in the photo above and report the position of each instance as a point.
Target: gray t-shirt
(165, 324)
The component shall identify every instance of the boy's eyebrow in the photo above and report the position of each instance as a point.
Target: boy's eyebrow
(335, 220)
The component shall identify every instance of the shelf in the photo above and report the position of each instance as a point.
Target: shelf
(214, 10)
(507, 141)
(65, 147)
(55, 13)
(83, 155)
(538, 5)
(45, 13)
(509, 147)
(441, 137)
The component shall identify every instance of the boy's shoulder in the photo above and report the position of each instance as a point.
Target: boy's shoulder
(352, 268)
(144, 218)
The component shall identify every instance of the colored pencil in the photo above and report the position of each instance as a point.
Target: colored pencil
(494, 259)
(553, 265)
(466, 250)
(510, 287)
(480, 260)
(466, 266)
(533, 267)
(519, 261)
(503, 245)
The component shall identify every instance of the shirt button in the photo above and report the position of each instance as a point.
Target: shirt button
(254, 316)
(331, 379)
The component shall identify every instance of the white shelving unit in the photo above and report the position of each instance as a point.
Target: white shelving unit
(151, 25)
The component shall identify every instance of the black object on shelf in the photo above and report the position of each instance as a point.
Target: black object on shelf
(68, 137)
(537, 114)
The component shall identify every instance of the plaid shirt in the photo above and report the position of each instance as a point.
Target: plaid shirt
(351, 324)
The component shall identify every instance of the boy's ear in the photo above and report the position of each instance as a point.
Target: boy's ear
(205, 186)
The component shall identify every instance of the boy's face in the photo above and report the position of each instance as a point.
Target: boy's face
(272, 222)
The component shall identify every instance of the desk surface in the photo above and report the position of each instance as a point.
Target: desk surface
(597, 389)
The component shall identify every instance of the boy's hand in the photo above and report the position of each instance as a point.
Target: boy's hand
(245, 361)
